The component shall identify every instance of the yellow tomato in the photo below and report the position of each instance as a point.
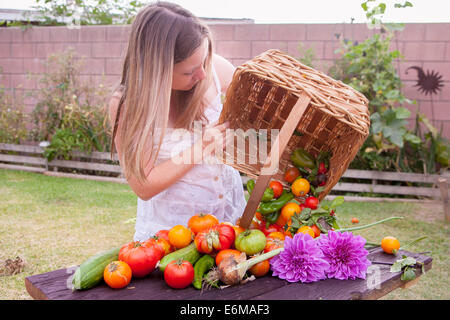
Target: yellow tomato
(180, 236)
(306, 230)
(288, 210)
(300, 187)
(390, 245)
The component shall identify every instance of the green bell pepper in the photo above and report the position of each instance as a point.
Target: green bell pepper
(268, 193)
(276, 204)
(302, 159)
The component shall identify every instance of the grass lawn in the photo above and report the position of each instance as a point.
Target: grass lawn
(55, 223)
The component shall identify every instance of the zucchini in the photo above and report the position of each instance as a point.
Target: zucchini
(188, 253)
(90, 272)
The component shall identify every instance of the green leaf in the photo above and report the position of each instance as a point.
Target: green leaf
(337, 202)
(397, 266)
(412, 138)
(408, 274)
(402, 113)
(396, 138)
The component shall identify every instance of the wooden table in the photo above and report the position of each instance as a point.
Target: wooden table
(379, 281)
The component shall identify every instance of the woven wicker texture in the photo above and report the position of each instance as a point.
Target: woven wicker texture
(261, 96)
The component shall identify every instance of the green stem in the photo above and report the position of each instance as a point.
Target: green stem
(412, 242)
(372, 244)
(247, 264)
(368, 225)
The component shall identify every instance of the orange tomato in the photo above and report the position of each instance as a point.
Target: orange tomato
(117, 274)
(300, 187)
(306, 230)
(390, 245)
(222, 254)
(260, 269)
(276, 235)
(355, 220)
(202, 221)
(259, 216)
(238, 230)
(273, 243)
(180, 236)
(288, 210)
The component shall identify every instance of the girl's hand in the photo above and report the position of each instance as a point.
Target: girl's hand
(213, 141)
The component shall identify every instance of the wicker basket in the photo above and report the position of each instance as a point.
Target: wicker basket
(311, 110)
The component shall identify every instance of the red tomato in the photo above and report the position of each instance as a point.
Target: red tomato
(312, 203)
(267, 230)
(163, 234)
(277, 188)
(141, 259)
(218, 237)
(322, 168)
(355, 220)
(291, 174)
(179, 274)
(316, 230)
(161, 242)
(272, 244)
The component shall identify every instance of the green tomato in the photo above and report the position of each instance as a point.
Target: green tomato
(250, 241)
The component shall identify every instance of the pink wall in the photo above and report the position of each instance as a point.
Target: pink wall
(424, 45)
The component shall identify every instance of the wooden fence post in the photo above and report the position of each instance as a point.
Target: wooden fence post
(443, 186)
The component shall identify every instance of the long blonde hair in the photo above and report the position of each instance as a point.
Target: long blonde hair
(162, 34)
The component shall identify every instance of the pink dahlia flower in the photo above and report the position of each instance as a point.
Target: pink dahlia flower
(345, 254)
(301, 260)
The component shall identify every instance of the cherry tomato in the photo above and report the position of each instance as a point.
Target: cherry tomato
(390, 245)
(291, 174)
(260, 269)
(277, 188)
(312, 203)
(306, 230)
(355, 220)
(316, 230)
(300, 187)
(271, 228)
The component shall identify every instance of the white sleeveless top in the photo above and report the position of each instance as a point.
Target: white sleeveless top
(209, 188)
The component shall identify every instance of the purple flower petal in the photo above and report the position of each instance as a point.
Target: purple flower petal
(345, 254)
(301, 260)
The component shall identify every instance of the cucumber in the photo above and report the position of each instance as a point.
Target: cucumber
(90, 272)
(188, 253)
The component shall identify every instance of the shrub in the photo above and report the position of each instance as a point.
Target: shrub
(13, 119)
(70, 113)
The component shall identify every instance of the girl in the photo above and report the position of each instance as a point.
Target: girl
(171, 80)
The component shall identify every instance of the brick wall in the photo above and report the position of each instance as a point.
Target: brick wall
(102, 48)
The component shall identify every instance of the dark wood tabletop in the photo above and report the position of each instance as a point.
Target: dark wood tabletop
(379, 282)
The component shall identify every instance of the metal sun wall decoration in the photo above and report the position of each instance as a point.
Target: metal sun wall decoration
(429, 82)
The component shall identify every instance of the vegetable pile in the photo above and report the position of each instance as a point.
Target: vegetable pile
(292, 235)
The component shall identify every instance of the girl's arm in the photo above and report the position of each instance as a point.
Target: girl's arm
(162, 176)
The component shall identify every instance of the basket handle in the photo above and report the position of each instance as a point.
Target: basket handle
(280, 143)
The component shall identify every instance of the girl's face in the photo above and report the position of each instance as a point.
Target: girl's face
(188, 72)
